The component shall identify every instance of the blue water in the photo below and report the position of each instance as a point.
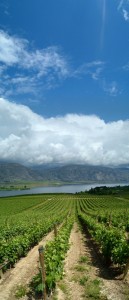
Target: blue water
(73, 188)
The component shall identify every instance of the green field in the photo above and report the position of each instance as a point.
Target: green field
(24, 220)
(20, 185)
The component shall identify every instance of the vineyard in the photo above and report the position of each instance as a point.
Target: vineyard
(26, 220)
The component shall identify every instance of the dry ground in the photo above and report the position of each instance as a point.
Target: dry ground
(85, 275)
(22, 273)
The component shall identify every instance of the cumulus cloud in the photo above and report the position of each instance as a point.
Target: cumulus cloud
(31, 139)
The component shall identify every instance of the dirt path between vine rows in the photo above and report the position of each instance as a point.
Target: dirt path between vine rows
(22, 273)
(69, 288)
(85, 276)
(83, 270)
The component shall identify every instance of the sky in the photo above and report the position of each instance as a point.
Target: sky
(64, 74)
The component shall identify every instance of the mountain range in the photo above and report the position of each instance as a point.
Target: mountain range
(15, 172)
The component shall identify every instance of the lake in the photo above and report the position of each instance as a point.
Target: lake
(73, 188)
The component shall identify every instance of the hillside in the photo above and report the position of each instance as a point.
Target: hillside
(83, 173)
(13, 172)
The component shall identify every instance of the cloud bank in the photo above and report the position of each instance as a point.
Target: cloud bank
(29, 138)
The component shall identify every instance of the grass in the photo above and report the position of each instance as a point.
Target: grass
(64, 288)
(80, 268)
(83, 259)
(55, 298)
(55, 295)
(74, 278)
(18, 185)
(20, 291)
(83, 280)
(126, 293)
(92, 290)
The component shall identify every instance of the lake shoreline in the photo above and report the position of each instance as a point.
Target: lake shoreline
(69, 189)
(57, 184)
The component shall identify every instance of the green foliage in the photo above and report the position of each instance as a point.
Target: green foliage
(25, 220)
(83, 280)
(83, 259)
(93, 289)
(54, 258)
(104, 190)
(20, 291)
(36, 285)
(33, 218)
(112, 240)
(80, 268)
(107, 220)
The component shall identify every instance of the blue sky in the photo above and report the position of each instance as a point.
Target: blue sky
(92, 40)
(62, 57)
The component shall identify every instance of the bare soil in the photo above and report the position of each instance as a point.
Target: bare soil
(22, 273)
(82, 267)
(73, 288)
(69, 288)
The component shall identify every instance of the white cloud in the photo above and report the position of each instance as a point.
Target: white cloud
(25, 70)
(15, 51)
(28, 71)
(29, 138)
(123, 7)
(93, 69)
(11, 49)
(125, 15)
(111, 88)
(121, 2)
(96, 75)
(126, 67)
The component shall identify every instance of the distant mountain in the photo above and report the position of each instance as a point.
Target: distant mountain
(83, 173)
(12, 172)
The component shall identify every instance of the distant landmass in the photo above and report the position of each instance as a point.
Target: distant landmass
(14, 172)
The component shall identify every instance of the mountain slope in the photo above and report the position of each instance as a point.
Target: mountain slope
(83, 173)
(12, 172)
